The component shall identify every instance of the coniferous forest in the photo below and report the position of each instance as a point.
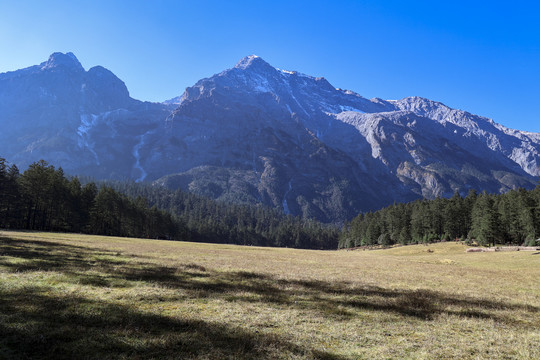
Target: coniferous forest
(44, 198)
(511, 218)
(212, 221)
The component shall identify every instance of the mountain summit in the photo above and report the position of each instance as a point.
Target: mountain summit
(255, 133)
(252, 62)
(295, 141)
(67, 60)
(59, 112)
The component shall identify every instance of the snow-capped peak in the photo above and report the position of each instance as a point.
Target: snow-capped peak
(250, 61)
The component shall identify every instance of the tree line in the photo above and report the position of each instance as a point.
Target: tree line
(487, 219)
(208, 220)
(44, 198)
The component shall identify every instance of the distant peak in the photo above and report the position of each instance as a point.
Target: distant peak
(418, 100)
(67, 60)
(251, 61)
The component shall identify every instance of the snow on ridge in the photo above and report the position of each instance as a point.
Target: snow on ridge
(294, 73)
(245, 62)
(286, 71)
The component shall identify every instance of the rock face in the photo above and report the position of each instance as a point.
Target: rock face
(255, 133)
(59, 112)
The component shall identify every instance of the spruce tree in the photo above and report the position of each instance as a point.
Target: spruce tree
(484, 221)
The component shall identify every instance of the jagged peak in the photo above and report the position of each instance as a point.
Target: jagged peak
(419, 99)
(420, 104)
(299, 74)
(58, 59)
(252, 61)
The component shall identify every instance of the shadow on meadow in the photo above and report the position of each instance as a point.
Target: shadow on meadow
(69, 327)
(38, 323)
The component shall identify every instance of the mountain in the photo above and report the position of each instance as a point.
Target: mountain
(296, 142)
(258, 134)
(60, 112)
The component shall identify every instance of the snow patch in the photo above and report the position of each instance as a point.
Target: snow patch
(284, 202)
(350, 108)
(287, 71)
(87, 122)
(337, 109)
(137, 155)
(260, 84)
(301, 107)
(245, 62)
(289, 108)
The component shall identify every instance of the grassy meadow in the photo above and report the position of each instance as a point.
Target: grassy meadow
(66, 296)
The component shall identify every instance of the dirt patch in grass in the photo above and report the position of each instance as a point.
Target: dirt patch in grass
(503, 248)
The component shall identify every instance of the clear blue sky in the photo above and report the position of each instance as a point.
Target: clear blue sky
(478, 56)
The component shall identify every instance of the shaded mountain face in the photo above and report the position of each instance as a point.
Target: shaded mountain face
(259, 134)
(84, 121)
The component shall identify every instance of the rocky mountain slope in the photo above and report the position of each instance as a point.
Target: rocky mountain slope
(59, 112)
(255, 133)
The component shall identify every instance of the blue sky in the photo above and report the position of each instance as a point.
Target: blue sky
(478, 56)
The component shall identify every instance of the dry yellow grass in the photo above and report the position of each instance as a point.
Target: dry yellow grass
(78, 296)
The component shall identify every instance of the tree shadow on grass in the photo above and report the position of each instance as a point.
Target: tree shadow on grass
(424, 304)
(333, 297)
(42, 323)
(38, 325)
(70, 327)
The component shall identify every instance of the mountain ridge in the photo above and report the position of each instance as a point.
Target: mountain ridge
(259, 134)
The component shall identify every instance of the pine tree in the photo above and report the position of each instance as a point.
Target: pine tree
(484, 221)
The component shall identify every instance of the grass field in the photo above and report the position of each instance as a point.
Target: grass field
(65, 296)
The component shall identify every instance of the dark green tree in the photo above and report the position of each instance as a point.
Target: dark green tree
(485, 226)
